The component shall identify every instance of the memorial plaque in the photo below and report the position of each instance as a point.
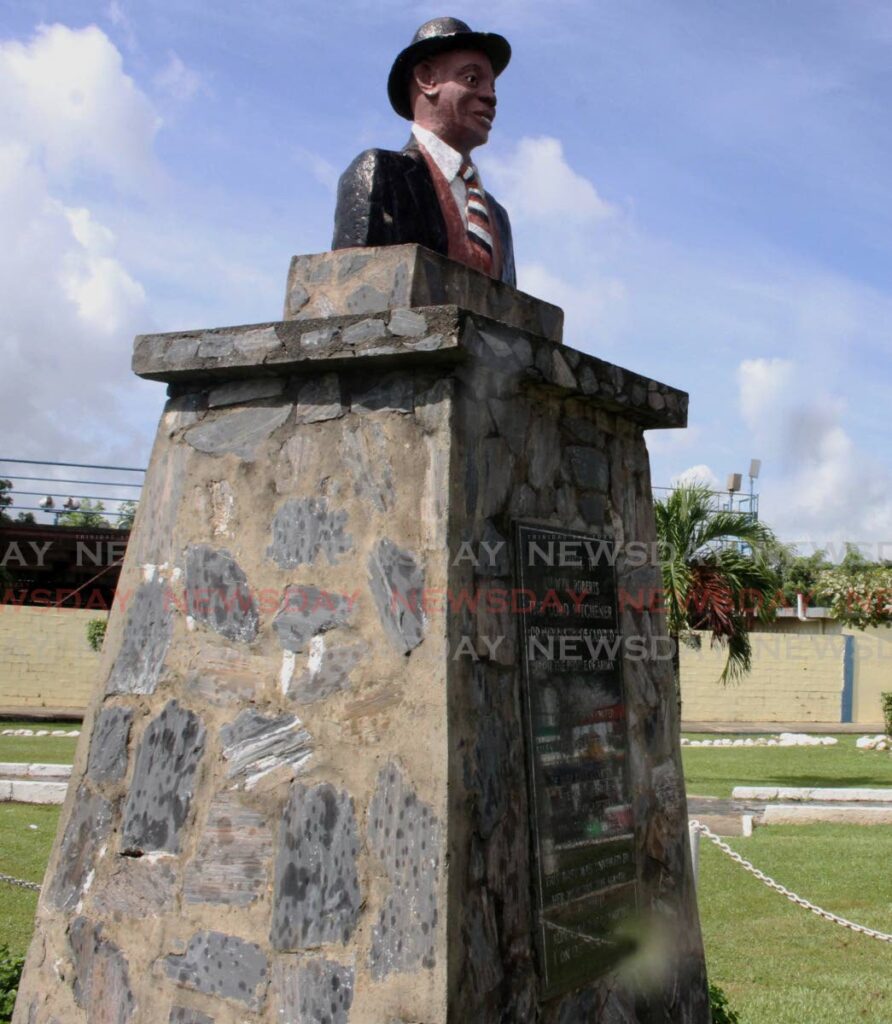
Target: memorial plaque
(577, 748)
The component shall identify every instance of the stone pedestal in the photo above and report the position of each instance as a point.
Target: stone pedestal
(310, 787)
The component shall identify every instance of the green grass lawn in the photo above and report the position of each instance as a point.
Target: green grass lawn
(712, 772)
(779, 964)
(38, 749)
(24, 852)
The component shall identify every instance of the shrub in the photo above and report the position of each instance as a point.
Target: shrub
(718, 1005)
(886, 699)
(10, 973)
(96, 633)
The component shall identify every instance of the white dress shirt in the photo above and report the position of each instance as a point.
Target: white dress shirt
(449, 161)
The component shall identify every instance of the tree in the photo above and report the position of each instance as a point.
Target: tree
(5, 500)
(89, 514)
(798, 574)
(127, 513)
(709, 581)
(859, 592)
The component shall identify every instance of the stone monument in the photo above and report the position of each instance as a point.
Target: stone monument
(385, 731)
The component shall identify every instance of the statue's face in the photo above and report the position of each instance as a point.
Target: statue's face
(465, 103)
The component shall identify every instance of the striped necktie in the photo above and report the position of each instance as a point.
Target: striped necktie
(479, 231)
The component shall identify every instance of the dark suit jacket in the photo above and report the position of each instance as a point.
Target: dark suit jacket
(388, 198)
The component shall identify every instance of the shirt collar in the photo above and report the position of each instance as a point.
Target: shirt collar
(444, 156)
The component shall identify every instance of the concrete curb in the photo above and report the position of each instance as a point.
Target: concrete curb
(805, 794)
(28, 792)
(822, 814)
(21, 770)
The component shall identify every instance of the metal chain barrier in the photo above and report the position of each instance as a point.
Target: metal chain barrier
(791, 896)
(20, 882)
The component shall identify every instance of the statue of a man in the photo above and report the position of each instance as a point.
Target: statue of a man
(444, 82)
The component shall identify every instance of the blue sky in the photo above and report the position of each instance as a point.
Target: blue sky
(704, 186)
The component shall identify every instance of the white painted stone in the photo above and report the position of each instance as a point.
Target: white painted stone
(13, 770)
(5, 791)
(28, 792)
(813, 813)
(754, 793)
(49, 771)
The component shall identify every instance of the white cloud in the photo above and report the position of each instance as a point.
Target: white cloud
(324, 171)
(700, 474)
(178, 81)
(536, 183)
(597, 304)
(68, 99)
(68, 305)
(764, 386)
(821, 487)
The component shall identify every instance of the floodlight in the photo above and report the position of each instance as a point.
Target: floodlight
(755, 466)
(734, 482)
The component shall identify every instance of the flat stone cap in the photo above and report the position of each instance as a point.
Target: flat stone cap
(426, 336)
(376, 279)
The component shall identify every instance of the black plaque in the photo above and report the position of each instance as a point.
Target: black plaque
(577, 745)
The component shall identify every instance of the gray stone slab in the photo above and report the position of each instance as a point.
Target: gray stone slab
(218, 594)
(544, 453)
(307, 611)
(319, 400)
(85, 833)
(316, 897)
(239, 432)
(240, 391)
(303, 529)
(364, 451)
(135, 887)
(101, 978)
(148, 629)
(221, 965)
(163, 781)
(365, 330)
(587, 467)
(393, 393)
(108, 745)
(254, 745)
(232, 863)
(329, 676)
(406, 323)
(404, 835)
(223, 675)
(366, 299)
(313, 991)
(397, 583)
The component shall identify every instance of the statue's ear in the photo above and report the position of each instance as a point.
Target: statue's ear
(424, 75)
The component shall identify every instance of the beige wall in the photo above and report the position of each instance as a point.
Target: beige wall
(46, 664)
(793, 679)
(873, 671)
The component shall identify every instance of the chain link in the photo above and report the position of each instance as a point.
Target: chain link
(20, 882)
(791, 896)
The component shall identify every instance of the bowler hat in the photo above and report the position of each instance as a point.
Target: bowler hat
(438, 36)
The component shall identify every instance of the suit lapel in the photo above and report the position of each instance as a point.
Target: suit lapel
(429, 216)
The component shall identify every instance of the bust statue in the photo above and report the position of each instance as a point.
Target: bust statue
(430, 192)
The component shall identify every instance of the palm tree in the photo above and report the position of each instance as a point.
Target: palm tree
(709, 581)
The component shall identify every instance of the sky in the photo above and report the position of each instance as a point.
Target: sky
(702, 185)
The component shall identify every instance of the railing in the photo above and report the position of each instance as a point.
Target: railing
(55, 502)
